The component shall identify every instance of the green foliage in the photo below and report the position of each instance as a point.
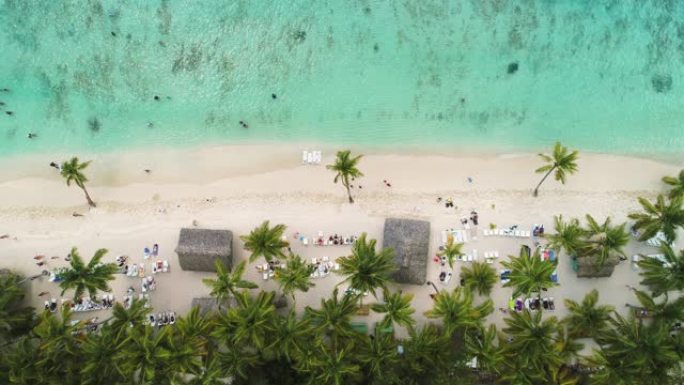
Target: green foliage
(532, 344)
(529, 273)
(91, 277)
(397, 309)
(251, 322)
(663, 277)
(265, 241)
(334, 317)
(587, 319)
(569, 236)
(561, 161)
(604, 241)
(484, 346)
(479, 277)
(227, 282)
(677, 183)
(72, 172)
(457, 311)
(295, 276)
(659, 216)
(366, 269)
(14, 318)
(451, 250)
(345, 167)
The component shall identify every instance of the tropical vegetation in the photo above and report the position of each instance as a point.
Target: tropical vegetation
(72, 172)
(82, 277)
(345, 169)
(659, 217)
(266, 242)
(561, 162)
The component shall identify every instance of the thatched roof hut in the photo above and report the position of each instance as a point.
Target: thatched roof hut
(587, 267)
(198, 249)
(410, 239)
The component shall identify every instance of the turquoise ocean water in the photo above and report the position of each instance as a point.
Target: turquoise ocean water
(601, 75)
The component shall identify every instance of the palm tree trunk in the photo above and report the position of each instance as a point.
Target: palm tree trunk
(346, 185)
(90, 201)
(536, 189)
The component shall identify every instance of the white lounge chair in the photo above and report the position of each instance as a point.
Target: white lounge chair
(475, 254)
(317, 157)
(487, 233)
(305, 156)
(310, 158)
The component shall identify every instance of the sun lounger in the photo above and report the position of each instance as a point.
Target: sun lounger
(305, 156)
(487, 233)
(317, 157)
(475, 254)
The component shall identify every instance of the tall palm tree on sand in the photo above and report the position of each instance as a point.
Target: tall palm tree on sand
(663, 276)
(569, 236)
(457, 311)
(677, 184)
(227, 282)
(366, 269)
(72, 171)
(561, 161)
(452, 250)
(659, 217)
(604, 241)
(266, 241)
(587, 319)
(479, 277)
(345, 168)
(529, 273)
(91, 277)
(334, 317)
(295, 276)
(397, 309)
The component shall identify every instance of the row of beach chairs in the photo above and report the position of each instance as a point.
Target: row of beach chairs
(312, 157)
(507, 233)
(532, 304)
(460, 236)
(322, 240)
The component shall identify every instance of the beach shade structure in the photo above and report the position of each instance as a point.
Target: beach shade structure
(410, 239)
(199, 249)
(588, 267)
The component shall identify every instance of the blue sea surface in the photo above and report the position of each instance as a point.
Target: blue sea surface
(500, 75)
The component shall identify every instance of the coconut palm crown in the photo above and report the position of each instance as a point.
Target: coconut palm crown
(452, 250)
(266, 241)
(587, 319)
(295, 276)
(529, 273)
(604, 241)
(457, 311)
(91, 277)
(367, 269)
(569, 236)
(666, 275)
(227, 282)
(479, 277)
(397, 309)
(659, 217)
(677, 184)
(561, 161)
(345, 168)
(72, 171)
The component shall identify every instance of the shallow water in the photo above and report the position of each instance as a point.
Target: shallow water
(494, 74)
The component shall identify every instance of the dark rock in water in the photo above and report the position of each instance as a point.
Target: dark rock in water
(299, 36)
(376, 47)
(661, 83)
(94, 124)
(512, 68)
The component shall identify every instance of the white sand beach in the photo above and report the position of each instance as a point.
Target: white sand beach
(236, 188)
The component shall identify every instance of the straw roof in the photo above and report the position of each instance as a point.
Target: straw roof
(198, 249)
(589, 268)
(410, 239)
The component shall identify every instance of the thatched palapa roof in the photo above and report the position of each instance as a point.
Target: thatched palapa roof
(587, 267)
(410, 239)
(198, 249)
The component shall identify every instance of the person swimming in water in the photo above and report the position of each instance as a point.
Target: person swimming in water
(32, 135)
(274, 96)
(10, 113)
(5, 90)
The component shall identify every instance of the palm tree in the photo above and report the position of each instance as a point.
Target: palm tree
(604, 241)
(295, 276)
(663, 276)
(457, 311)
(532, 341)
(91, 277)
(676, 183)
(98, 351)
(451, 250)
(529, 273)
(569, 236)
(58, 346)
(291, 336)
(485, 348)
(480, 277)
(122, 319)
(194, 329)
(72, 171)
(380, 357)
(334, 316)
(345, 168)
(426, 355)
(397, 309)
(227, 282)
(366, 269)
(561, 161)
(250, 323)
(659, 217)
(634, 352)
(667, 312)
(237, 362)
(333, 367)
(15, 319)
(587, 319)
(265, 241)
